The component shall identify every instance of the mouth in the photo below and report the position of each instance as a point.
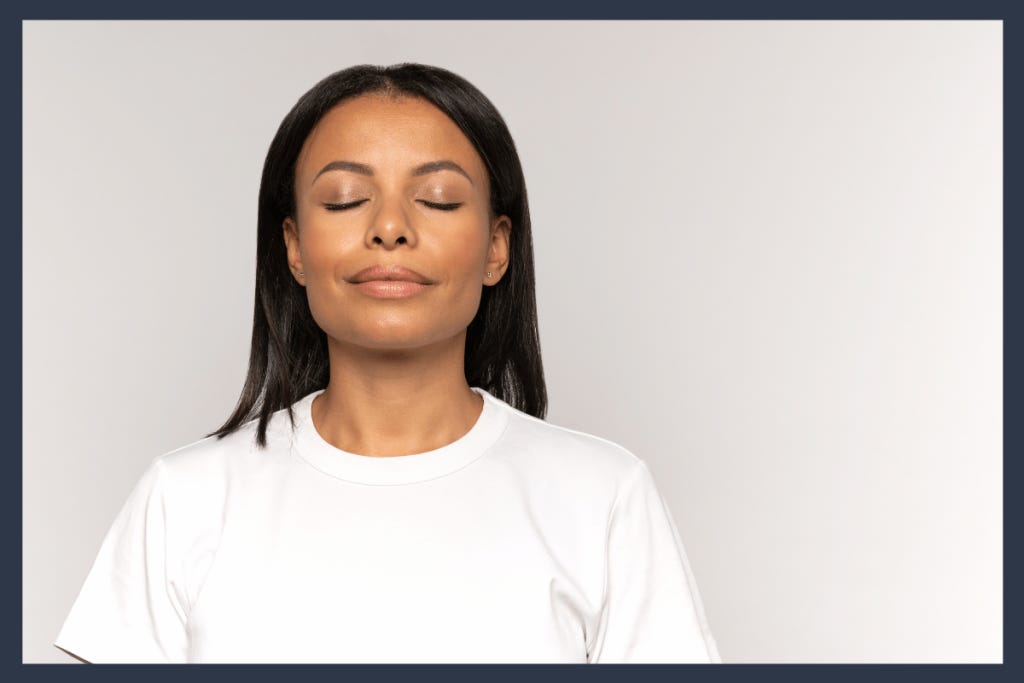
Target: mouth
(390, 289)
(389, 273)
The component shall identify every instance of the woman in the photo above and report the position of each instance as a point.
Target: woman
(387, 489)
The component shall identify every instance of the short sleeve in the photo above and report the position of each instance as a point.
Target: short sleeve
(130, 608)
(652, 611)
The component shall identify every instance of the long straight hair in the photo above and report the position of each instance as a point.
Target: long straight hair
(288, 358)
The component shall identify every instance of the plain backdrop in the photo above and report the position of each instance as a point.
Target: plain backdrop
(769, 262)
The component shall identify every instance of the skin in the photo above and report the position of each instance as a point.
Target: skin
(397, 381)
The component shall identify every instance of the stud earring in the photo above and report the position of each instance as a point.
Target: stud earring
(488, 273)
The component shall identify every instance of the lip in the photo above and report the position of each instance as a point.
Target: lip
(389, 273)
(390, 289)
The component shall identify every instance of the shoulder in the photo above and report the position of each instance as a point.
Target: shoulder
(212, 462)
(567, 457)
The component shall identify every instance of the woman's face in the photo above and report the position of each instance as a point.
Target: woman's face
(376, 208)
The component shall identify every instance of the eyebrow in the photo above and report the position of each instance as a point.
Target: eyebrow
(422, 169)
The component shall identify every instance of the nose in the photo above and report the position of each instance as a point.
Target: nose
(390, 225)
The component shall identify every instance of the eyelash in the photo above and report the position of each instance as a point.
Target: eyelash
(433, 205)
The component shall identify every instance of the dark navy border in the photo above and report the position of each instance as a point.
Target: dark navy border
(11, 279)
(520, 9)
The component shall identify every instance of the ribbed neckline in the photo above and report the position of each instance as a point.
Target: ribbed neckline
(399, 469)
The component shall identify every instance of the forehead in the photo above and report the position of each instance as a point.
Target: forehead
(389, 133)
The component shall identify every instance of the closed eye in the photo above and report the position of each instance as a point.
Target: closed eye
(443, 207)
(434, 205)
(342, 207)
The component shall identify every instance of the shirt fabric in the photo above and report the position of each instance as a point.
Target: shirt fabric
(520, 542)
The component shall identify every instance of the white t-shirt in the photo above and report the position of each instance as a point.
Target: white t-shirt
(520, 542)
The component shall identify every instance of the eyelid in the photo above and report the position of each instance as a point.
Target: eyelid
(333, 206)
(440, 206)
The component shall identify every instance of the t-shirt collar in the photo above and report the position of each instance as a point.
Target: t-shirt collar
(400, 469)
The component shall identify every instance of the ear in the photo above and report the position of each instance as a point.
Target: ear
(498, 249)
(291, 240)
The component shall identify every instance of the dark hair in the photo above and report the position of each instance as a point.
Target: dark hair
(288, 358)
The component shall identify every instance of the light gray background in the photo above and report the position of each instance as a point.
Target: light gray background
(769, 262)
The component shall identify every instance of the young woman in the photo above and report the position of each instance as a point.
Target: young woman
(387, 489)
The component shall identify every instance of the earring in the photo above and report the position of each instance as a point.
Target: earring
(488, 273)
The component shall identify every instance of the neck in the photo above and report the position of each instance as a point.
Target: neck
(393, 402)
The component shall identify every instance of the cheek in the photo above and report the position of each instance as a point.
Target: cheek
(324, 247)
(465, 256)
(465, 247)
